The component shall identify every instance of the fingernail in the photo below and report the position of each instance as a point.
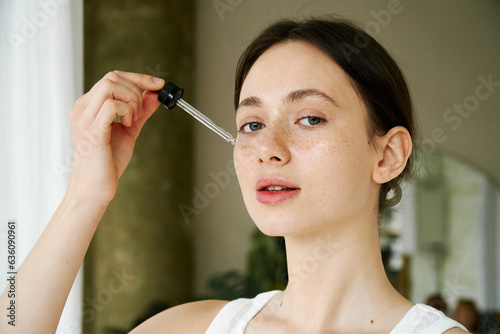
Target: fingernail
(158, 80)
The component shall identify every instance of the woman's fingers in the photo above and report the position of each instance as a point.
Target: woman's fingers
(149, 84)
(117, 94)
(116, 77)
(143, 81)
(150, 104)
(121, 86)
(107, 89)
(112, 109)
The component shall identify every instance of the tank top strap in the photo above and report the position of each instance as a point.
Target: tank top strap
(423, 319)
(235, 315)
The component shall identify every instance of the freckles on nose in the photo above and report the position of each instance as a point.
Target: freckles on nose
(275, 146)
(277, 134)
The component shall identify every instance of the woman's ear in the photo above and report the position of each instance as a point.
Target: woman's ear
(395, 147)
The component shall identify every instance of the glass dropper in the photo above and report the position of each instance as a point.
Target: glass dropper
(170, 96)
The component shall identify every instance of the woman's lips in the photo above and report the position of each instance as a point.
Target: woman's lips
(274, 190)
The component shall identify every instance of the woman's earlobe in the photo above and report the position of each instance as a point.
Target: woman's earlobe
(396, 147)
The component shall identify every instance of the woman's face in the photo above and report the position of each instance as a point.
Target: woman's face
(303, 157)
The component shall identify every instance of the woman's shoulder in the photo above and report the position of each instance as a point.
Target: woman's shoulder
(190, 318)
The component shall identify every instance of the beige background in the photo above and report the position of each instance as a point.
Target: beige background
(442, 46)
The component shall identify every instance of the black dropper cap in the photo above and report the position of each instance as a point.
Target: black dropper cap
(170, 94)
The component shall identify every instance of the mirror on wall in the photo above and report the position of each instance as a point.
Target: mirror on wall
(440, 242)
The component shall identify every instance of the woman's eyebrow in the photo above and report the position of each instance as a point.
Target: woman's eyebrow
(300, 94)
(251, 101)
(294, 96)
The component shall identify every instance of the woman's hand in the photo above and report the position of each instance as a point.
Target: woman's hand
(102, 147)
(102, 151)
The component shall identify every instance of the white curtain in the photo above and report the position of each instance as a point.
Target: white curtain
(41, 65)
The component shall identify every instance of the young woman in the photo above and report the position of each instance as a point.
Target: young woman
(325, 130)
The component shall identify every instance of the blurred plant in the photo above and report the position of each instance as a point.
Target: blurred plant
(266, 270)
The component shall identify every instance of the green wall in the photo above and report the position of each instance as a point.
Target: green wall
(141, 253)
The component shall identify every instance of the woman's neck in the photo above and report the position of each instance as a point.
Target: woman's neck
(337, 279)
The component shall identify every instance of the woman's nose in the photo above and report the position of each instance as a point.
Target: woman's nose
(273, 146)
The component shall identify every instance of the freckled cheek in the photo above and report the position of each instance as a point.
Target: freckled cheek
(327, 166)
(243, 154)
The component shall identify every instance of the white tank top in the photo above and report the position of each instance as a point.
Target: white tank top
(234, 317)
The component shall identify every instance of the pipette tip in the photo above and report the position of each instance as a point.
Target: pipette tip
(170, 96)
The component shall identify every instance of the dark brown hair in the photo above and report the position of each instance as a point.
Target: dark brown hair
(372, 71)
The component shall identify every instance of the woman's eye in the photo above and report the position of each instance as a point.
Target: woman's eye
(251, 127)
(311, 120)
